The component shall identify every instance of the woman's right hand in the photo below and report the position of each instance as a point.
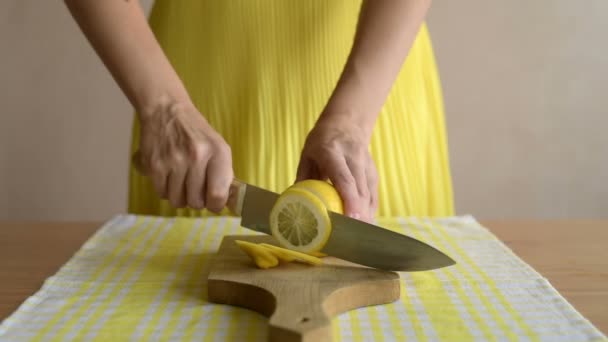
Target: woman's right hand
(188, 161)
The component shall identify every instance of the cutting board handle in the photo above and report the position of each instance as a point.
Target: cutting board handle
(296, 319)
(302, 313)
(236, 194)
(295, 316)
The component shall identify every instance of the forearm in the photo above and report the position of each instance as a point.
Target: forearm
(119, 33)
(385, 33)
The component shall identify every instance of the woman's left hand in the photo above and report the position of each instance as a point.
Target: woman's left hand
(337, 149)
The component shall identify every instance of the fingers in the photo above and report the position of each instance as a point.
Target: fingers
(155, 170)
(199, 183)
(354, 176)
(159, 179)
(202, 185)
(195, 179)
(176, 188)
(195, 182)
(341, 176)
(358, 170)
(372, 184)
(219, 178)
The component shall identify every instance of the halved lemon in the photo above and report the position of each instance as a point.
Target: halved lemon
(324, 191)
(299, 219)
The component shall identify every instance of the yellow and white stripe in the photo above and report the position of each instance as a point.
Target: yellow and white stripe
(142, 278)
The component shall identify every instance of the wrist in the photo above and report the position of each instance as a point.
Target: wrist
(351, 103)
(164, 103)
(344, 107)
(356, 121)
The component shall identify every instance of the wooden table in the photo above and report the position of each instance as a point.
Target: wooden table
(573, 255)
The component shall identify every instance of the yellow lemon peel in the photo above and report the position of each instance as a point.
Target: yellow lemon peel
(261, 256)
(323, 191)
(288, 255)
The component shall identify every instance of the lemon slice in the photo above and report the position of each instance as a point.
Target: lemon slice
(299, 219)
(288, 255)
(262, 257)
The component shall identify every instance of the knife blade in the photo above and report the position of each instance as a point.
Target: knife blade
(378, 247)
(352, 240)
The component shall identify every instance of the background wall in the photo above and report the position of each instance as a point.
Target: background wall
(524, 85)
(525, 91)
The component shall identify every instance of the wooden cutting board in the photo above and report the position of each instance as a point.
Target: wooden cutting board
(300, 300)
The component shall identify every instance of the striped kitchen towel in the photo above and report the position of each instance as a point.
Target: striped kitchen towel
(143, 278)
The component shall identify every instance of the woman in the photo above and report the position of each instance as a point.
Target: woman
(236, 88)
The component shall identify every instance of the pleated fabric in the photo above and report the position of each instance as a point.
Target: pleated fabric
(261, 73)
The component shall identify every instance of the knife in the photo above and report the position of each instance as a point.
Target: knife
(350, 239)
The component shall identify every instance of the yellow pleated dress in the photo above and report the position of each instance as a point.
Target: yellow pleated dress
(261, 72)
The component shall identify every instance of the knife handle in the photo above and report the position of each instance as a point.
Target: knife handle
(236, 194)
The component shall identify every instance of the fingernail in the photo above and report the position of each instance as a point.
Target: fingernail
(356, 216)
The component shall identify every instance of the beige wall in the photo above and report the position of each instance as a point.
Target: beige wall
(524, 87)
(525, 91)
(65, 124)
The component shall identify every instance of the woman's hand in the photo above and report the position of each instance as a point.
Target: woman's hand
(189, 163)
(337, 149)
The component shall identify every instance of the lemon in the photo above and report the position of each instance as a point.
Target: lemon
(300, 220)
(324, 191)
